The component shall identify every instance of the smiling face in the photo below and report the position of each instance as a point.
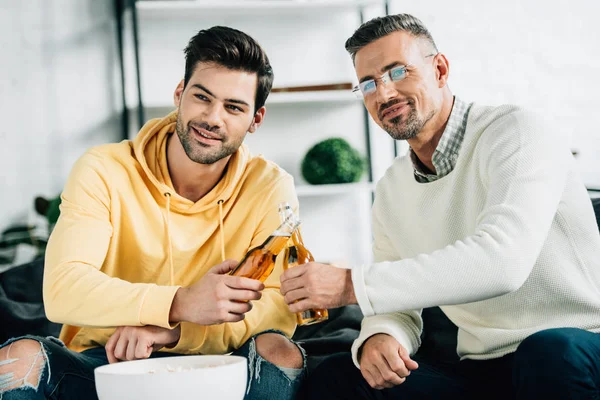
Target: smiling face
(216, 110)
(404, 107)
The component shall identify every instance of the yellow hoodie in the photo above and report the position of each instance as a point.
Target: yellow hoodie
(125, 241)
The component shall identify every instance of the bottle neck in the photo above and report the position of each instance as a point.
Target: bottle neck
(278, 239)
(275, 243)
(297, 238)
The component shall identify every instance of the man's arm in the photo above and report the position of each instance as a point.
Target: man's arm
(76, 292)
(524, 166)
(216, 298)
(270, 312)
(405, 327)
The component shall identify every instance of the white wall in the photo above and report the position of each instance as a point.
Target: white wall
(542, 55)
(58, 93)
(60, 84)
(304, 48)
(496, 53)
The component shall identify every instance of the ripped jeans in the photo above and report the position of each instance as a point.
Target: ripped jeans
(56, 372)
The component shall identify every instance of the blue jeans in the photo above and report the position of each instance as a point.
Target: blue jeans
(68, 375)
(557, 364)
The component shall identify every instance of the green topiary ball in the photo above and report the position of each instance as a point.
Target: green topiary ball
(332, 161)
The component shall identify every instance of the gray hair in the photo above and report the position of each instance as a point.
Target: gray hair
(383, 26)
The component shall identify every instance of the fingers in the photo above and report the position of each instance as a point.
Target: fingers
(231, 311)
(379, 375)
(390, 376)
(134, 343)
(131, 348)
(373, 377)
(224, 267)
(120, 351)
(238, 282)
(144, 349)
(366, 373)
(291, 284)
(386, 378)
(395, 364)
(240, 307)
(244, 295)
(110, 347)
(295, 295)
(295, 272)
(385, 362)
(302, 305)
(408, 362)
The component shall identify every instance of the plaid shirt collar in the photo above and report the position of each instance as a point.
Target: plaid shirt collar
(446, 152)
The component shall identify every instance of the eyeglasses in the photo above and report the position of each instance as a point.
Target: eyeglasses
(368, 87)
(395, 74)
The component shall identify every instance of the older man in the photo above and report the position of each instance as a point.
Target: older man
(485, 217)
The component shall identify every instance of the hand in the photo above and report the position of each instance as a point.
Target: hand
(384, 362)
(138, 342)
(313, 285)
(216, 298)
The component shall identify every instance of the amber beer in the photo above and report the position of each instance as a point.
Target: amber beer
(298, 254)
(258, 263)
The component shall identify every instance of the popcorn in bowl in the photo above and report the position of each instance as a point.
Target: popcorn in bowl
(220, 377)
(170, 368)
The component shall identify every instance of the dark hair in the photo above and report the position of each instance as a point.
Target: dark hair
(383, 26)
(232, 49)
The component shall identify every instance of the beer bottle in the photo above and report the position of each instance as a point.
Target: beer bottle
(298, 254)
(258, 263)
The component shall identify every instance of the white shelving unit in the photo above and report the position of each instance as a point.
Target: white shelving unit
(285, 98)
(191, 8)
(334, 189)
(326, 96)
(304, 41)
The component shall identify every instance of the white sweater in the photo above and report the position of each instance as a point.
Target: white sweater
(506, 244)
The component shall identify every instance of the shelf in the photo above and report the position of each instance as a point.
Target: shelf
(195, 8)
(321, 97)
(333, 189)
(325, 96)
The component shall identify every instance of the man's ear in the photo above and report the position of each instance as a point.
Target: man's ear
(258, 119)
(178, 93)
(442, 70)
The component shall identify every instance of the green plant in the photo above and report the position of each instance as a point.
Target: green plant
(332, 161)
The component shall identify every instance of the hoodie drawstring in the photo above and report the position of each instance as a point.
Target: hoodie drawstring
(171, 269)
(220, 202)
(221, 231)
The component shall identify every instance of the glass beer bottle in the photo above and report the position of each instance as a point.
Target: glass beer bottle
(258, 263)
(298, 254)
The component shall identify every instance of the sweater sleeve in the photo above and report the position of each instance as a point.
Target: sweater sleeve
(75, 291)
(270, 312)
(523, 165)
(404, 326)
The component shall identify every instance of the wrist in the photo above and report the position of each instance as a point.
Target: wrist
(177, 311)
(176, 335)
(350, 295)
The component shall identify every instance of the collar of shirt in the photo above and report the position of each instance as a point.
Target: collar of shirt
(445, 154)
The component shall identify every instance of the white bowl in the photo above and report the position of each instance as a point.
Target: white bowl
(180, 377)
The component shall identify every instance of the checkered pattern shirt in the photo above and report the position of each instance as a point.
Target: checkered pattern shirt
(446, 152)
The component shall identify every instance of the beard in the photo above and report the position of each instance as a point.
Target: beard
(199, 152)
(404, 128)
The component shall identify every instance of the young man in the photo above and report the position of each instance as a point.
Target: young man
(484, 217)
(144, 231)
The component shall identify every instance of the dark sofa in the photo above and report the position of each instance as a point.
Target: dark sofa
(22, 312)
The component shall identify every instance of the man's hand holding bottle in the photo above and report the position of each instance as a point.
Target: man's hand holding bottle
(216, 298)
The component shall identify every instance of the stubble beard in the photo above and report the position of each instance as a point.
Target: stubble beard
(199, 152)
(400, 128)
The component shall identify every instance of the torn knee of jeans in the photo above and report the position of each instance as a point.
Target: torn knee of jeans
(280, 351)
(22, 365)
(255, 361)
